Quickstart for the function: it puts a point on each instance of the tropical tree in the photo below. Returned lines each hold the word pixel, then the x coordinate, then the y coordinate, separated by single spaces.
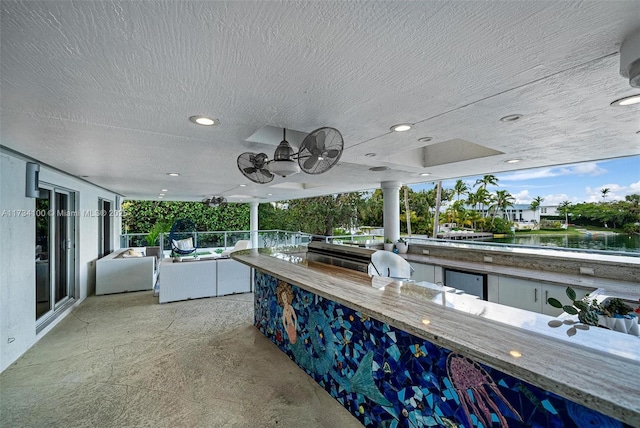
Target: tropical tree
pixel 321 215
pixel 486 180
pixel 460 188
pixel 480 199
pixel 535 205
pixel 604 191
pixel 501 201
pixel 563 208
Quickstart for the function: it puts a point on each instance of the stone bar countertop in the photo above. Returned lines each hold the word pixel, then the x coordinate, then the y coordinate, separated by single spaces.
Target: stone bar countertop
pixel 595 367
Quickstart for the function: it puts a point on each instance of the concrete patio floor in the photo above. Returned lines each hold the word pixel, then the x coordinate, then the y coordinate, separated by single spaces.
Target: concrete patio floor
pixel 126 361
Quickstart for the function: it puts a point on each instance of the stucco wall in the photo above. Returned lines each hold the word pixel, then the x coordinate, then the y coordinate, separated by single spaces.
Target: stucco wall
pixel 17 251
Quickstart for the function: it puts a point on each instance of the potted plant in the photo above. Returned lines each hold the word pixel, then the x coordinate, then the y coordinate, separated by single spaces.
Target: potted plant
pixel 612 313
pixel 402 246
pixel 158 228
pixel 388 245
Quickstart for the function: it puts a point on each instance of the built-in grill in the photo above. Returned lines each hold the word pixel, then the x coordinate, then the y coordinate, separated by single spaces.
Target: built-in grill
pixel 345 256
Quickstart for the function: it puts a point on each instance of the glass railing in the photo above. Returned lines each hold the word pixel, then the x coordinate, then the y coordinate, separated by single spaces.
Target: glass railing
pixel 217 241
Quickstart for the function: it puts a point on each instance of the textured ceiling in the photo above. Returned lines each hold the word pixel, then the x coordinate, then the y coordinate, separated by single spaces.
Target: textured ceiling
pixel 104 89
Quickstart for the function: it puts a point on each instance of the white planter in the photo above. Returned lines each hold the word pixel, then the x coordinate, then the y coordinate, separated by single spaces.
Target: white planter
pixel 388 247
pixel 623 325
pixel 402 247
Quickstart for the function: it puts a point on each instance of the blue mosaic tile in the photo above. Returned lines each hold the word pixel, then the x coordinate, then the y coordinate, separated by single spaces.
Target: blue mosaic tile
pixel 388 378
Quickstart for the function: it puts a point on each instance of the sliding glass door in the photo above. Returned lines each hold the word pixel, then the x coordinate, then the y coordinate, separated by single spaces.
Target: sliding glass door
pixel 55 250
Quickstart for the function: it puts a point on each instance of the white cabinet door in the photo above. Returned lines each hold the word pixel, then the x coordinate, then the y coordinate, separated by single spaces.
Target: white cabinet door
pixel 558 292
pixel 423 272
pixel 520 293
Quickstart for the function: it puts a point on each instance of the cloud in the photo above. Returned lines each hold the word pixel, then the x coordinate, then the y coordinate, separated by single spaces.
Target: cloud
pixel 524 197
pixel 588 168
pixel 616 192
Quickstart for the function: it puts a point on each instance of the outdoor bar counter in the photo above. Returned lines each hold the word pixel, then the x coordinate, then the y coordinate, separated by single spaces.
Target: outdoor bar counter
pixel 398 354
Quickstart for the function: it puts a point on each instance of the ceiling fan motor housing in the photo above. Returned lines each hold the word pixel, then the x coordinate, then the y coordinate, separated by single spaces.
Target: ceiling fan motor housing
pixel 630 59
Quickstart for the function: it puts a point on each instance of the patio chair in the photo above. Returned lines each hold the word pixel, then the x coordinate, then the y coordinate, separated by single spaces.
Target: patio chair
pixel 240 245
pixel 183 237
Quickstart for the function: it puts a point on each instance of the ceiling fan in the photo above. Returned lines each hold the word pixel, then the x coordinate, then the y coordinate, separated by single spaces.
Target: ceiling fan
pixel 319 152
pixel 214 201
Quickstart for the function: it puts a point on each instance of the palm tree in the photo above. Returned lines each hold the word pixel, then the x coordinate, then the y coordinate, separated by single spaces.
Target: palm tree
pixel 564 208
pixel 501 201
pixel 460 188
pixel 535 204
pixel 604 192
pixel 486 180
pixel 481 198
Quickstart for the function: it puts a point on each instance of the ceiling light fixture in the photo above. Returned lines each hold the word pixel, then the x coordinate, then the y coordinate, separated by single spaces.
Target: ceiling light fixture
pixel 269 194
pixel 512 160
pixel 511 118
pixel 173 174
pixel 425 139
pixel 370 155
pixel 425 174
pixel 204 121
pixel 401 127
pixel 160 197
pixel 243 185
pixel 164 190
pixel 161 194
pixel 515 354
pixel 627 101
pixel 379 168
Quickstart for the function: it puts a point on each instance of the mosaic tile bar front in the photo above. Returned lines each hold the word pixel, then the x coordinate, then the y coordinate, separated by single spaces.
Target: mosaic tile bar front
pixel 387 377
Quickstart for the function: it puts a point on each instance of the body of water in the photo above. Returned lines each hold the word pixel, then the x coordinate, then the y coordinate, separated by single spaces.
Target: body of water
pixel 627 243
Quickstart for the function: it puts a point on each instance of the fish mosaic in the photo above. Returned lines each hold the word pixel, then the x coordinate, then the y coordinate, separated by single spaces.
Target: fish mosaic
pixel 387 377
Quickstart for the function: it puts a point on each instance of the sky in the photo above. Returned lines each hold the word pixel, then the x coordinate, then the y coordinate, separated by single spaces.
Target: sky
pixel 575 183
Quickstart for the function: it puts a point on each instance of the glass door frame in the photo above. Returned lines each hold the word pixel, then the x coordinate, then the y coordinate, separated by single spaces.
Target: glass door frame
pixel 68 215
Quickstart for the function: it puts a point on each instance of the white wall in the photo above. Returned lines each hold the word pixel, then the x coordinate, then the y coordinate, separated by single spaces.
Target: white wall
pixel 17 251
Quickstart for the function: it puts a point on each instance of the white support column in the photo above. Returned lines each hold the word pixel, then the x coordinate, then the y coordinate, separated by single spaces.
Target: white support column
pixel 391 213
pixel 253 224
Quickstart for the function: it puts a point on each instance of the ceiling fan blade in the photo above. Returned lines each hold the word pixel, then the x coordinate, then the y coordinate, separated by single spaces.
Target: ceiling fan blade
pixel 249 170
pixel 309 163
pixel 320 136
pixel 332 153
pixel 266 173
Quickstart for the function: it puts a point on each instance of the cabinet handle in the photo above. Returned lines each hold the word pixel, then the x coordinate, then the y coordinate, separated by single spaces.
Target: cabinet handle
pixel 535 294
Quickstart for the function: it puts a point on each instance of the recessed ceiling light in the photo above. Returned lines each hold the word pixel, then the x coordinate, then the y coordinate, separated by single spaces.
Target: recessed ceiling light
pixel 627 101
pixel 425 174
pixel 510 118
pixel 512 160
pixel 515 354
pixel 161 194
pixel 370 155
pixel 379 168
pixel 425 139
pixel 243 185
pixel 401 127
pixel 203 120
pixel 164 190
pixel 269 194
pixel 160 197
pixel 173 174
pixel 426 321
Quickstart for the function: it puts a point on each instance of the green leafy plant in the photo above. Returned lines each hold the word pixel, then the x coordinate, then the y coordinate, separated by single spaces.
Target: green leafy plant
pixel 588 309
pixel 388 241
pixel 158 228
pixel 587 314
pixel 401 241
pixel 613 307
